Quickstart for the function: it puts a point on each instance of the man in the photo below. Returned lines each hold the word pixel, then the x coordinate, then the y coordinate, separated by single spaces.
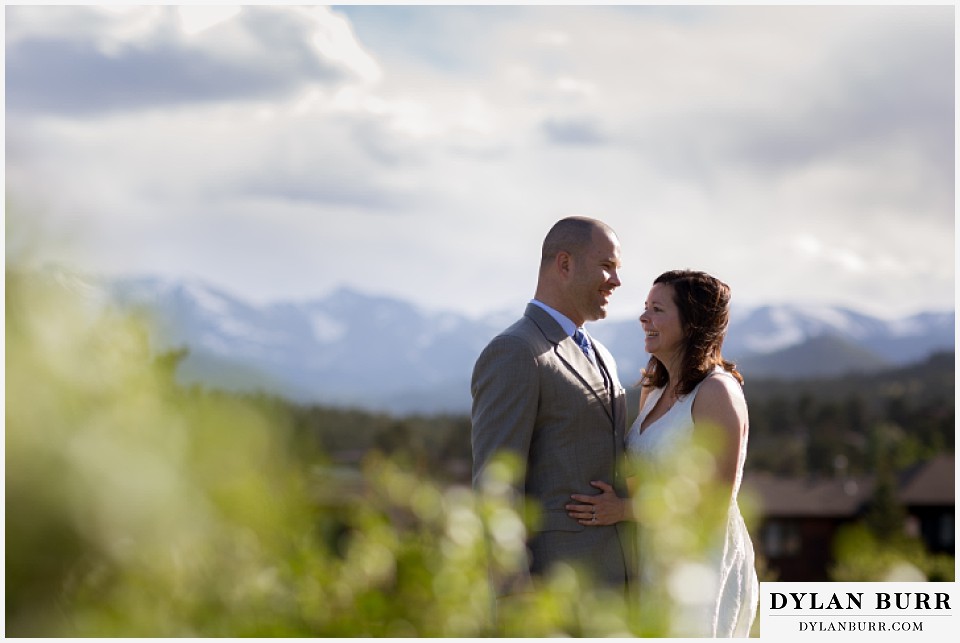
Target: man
pixel 558 405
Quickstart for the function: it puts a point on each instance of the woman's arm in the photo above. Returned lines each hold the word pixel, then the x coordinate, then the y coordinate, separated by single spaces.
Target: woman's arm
pixel 720 418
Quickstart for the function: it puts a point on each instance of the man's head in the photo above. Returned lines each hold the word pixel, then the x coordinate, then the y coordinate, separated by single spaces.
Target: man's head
pixel 578 268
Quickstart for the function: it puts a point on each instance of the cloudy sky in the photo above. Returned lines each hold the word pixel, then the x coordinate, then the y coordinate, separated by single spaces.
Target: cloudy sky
pixel 802 154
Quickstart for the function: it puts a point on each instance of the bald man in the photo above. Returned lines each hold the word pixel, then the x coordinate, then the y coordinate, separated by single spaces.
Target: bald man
pixel 545 391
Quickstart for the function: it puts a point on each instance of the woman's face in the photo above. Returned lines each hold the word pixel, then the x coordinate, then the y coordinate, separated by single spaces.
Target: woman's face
pixel 661 324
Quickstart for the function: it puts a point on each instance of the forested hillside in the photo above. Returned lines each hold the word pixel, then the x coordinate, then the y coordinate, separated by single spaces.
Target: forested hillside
pixel 822 426
pixel 807 426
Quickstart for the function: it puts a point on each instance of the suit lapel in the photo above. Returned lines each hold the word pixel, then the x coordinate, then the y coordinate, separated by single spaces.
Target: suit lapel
pixel 614 395
pixel 576 361
pixel 571 355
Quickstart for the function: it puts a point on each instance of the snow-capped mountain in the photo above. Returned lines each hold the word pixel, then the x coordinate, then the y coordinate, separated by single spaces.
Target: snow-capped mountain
pixel 791 341
pixel 347 348
pixel 356 349
pixel 805 341
pixel 768 329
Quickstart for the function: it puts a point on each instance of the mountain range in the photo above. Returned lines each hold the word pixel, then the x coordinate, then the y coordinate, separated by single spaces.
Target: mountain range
pixel 379 353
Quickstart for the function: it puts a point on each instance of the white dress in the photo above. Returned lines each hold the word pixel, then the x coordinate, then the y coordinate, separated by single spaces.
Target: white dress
pixel 726 574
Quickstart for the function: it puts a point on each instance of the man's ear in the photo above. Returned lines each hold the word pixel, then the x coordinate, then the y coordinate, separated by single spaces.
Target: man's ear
pixel 564 263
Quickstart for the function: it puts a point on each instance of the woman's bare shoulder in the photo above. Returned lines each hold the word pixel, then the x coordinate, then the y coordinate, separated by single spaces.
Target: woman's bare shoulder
pixel 720 398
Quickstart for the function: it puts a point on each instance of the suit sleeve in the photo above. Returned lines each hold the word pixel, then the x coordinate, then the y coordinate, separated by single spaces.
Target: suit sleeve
pixel 505 389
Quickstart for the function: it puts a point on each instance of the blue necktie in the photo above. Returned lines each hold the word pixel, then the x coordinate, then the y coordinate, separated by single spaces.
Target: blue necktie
pixel 581 339
pixel 584 342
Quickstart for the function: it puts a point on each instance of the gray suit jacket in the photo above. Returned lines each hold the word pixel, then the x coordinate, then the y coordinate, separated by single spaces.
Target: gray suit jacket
pixel 536 394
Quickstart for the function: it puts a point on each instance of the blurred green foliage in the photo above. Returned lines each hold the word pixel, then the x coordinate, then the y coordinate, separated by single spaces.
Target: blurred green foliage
pixel 136 507
pixel 864 556
pixel 133 508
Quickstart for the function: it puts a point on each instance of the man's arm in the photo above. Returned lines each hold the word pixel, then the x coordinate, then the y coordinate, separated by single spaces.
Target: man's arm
pixel 505 389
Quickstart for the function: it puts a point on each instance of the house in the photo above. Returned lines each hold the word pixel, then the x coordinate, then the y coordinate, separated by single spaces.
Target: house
pixel 799 517
pixel 927 493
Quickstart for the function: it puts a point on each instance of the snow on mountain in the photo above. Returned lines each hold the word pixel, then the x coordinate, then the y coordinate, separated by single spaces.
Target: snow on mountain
pixel 326 329
pixel 357 349
pixel 766 329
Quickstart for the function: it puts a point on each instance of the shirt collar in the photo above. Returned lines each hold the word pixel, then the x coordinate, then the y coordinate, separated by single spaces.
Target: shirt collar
pixel 565 323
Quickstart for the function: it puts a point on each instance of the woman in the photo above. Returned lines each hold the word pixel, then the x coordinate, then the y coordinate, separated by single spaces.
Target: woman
pixel 696 558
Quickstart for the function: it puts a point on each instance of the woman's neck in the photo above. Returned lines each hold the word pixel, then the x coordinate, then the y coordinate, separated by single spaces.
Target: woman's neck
pixel 671 364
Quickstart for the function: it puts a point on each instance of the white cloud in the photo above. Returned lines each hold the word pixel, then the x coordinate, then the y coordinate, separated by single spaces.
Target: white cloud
pixel 552 38
pixel 424 151
pixel 195 19
pixel 334 39
pixel 809 246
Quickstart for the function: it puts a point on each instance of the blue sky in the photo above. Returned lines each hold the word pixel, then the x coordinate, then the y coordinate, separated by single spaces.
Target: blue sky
pixel 803 154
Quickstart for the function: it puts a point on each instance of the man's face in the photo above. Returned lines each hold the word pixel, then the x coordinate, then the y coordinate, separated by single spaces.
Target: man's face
pixel 594 277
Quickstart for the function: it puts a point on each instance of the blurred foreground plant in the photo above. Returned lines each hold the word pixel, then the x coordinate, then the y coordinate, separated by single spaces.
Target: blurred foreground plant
pixel 862 556
pixel 135 507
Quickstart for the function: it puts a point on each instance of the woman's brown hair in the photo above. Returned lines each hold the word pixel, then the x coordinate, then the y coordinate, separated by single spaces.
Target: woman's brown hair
pixel 703 302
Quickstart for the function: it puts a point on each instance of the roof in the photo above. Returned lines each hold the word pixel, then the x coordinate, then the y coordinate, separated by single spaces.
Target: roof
pixel 823 497
pixel 932 483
